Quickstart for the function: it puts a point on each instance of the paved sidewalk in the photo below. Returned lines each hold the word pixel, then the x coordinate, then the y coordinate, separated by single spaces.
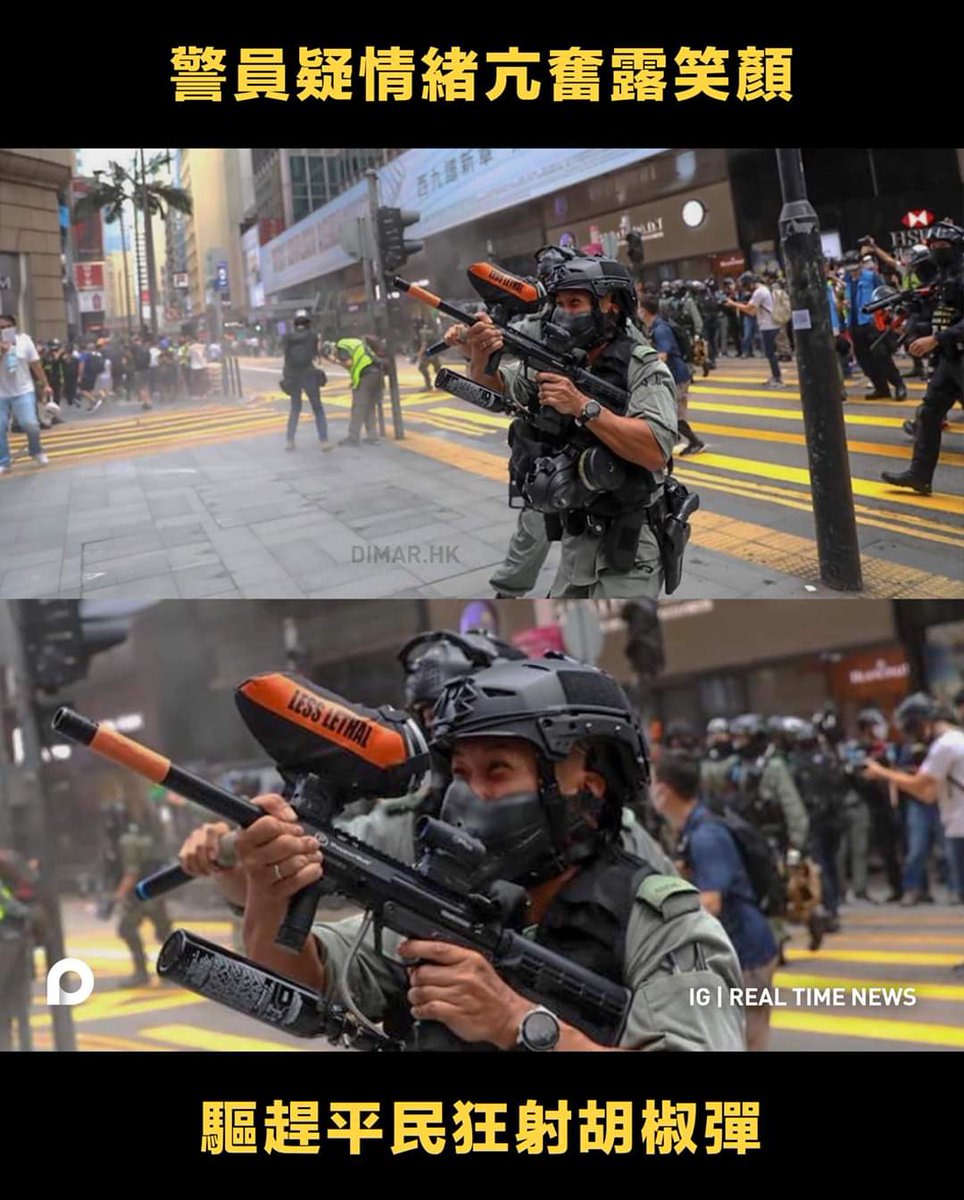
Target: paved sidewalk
pixel 247 519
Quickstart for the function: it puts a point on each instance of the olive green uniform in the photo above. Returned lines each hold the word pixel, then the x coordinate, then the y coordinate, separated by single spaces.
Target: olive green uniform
pixel 527 552
pixel 583 570
pixel 139 855
pixel 671 946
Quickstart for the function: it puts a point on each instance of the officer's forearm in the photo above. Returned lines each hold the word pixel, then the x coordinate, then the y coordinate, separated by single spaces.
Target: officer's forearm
pixel 629 437
pixel 261 925
pixel 477 373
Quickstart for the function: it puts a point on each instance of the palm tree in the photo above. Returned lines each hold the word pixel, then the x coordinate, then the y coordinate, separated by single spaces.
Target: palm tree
pixel 152 197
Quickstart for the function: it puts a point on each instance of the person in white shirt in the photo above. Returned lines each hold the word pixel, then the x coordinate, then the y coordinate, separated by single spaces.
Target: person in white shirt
pixel 940 778
pixel 20 376
pixel 761 307
pixel 197 362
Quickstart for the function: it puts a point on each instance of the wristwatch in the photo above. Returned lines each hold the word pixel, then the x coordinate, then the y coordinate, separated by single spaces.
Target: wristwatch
pixel 538 1030
pixel 589 413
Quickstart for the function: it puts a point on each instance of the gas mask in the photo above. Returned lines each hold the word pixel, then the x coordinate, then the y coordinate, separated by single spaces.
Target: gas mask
pixel 515 831
pixel 585 330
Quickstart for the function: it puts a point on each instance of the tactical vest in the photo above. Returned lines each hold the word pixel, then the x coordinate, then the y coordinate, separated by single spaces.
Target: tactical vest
pixel 587 923
pixel 821 782
pixel 949 303
pixel 752 801
pixel 528 442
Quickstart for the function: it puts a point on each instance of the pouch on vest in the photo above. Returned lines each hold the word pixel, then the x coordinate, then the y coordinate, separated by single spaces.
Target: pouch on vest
pixel 622 539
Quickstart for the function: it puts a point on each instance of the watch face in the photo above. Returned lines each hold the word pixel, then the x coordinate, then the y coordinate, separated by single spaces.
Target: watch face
pixel 540 1030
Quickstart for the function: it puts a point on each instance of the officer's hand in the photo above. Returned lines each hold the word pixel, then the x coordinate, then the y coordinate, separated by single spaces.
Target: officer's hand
pixel 457 335
pixel 201 849
pixel 277 857
pixel 461 989
pixel 483 339
pixel 560 393
pixel 922 346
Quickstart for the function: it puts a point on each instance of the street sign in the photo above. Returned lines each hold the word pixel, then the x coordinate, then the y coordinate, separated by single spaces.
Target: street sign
pixel 89 276
pixel 221 282
pixel 180 279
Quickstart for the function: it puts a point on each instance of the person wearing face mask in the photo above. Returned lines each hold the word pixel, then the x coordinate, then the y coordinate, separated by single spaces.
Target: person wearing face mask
pixel 715 864
pixel 938 781
pixel 862 280
pixel 946 244
pixel 870 809
pixel 542 755
pixel 610 546
pixel 430 661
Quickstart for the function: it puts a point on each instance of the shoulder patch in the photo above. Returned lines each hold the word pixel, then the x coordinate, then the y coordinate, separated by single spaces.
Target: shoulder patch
pixel 669 895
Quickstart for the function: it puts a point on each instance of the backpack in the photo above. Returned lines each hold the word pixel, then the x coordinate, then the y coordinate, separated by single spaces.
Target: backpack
pixel 760 860
pixel 300 352
pixel 95 363
pixel 781 312
pixel 683 340
pixel 142 357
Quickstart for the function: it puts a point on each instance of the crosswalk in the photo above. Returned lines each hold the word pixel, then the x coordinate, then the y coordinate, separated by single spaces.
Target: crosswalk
pixel 881 948
pixel 753 476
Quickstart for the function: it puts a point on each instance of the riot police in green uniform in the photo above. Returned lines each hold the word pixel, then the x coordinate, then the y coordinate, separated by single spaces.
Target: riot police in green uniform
pixel 140 855
pixel 542 756
pixel 596 470
pixel 715 764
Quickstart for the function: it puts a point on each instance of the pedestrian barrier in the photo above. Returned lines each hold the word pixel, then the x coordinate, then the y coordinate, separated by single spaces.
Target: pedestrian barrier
pixel 231 376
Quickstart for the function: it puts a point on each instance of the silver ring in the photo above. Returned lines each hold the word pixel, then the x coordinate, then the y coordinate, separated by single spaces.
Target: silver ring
pixel 277 873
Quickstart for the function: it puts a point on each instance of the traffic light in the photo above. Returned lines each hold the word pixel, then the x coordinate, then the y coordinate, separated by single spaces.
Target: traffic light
pixel 60 637
pixel 393 249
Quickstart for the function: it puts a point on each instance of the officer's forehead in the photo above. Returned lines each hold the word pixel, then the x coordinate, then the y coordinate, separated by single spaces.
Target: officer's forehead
pixel 475 747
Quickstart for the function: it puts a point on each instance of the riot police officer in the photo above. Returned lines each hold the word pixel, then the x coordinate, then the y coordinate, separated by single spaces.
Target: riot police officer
pixel 600 475
pixel 140 855
pixel 881 815
pixel 542 755
pixel 714 766
pixel 820 780
pixel 946 244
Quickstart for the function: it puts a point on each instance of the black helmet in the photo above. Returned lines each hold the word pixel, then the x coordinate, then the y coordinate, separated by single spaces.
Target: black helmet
pixel 747 277
pixel 431 660
pixel 884 292
pixel 748 725
pixel 549 257
pixel 946 230
pixel 914 711
pixel 871 716
pixel 551 702
pixel 680 733
pixel 599 276
pixel 921 262
pixel 302 320
pixel 796 731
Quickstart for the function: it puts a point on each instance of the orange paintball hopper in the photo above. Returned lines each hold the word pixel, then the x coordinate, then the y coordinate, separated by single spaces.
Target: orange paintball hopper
pixel 356 751
pixel 515 293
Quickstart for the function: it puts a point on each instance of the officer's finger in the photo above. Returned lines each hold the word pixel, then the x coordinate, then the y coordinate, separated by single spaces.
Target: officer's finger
pixel 438 952
pixel 289 884
pixel 276 806
pixel 264 830
pixel 279 850
pixel 550 377
pixel 419 997
pixel 432 975
pixel 436 1010
pixel 256 850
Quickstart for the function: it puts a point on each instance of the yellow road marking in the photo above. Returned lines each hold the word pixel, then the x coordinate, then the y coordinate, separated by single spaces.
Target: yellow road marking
pixel 947 534
pixel 193 1038
pixel 903 957
pixel 939 502
pixel 882 449
pixel 106 1006
pixel 786 414
pixel 740 539
pixel 96 1041
pixel 868 1027
pixel 923 991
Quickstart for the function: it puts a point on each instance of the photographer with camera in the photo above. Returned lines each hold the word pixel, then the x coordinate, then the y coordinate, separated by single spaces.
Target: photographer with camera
pixel 600 480
pixel 300 374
